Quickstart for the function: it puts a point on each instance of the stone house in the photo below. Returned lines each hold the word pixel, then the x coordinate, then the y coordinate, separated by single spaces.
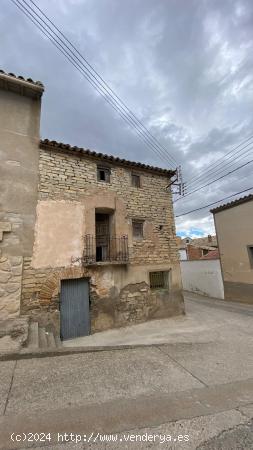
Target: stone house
pixel 87 240
pixel 233 223
pixel 197 248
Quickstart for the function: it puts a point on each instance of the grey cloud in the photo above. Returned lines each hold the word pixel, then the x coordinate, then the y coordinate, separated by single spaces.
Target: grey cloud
pixel 183 66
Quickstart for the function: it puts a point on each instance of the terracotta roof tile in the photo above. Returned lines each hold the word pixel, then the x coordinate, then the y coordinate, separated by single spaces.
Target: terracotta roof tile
pixel 213 254
pixel 237 202
pixel 19 77
pixel 53 145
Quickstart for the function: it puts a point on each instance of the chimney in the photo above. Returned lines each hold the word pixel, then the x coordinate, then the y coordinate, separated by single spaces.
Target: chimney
pixel 209 237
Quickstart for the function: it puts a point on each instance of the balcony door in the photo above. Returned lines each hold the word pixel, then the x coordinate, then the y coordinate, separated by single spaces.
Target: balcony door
pixel 102 237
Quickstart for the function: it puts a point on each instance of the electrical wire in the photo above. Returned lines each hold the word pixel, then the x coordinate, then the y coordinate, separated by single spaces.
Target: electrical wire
pixel 217 179
pixel 102 80
pixel 215 165
pixel 104 92
pixel 214 203
pixel 223 169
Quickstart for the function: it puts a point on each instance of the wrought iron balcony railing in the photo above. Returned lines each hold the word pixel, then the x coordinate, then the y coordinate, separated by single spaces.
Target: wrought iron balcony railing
pixel 104 248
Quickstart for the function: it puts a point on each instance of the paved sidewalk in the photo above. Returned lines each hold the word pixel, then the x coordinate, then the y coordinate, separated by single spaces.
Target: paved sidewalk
pixel 197 384
pixel 193 327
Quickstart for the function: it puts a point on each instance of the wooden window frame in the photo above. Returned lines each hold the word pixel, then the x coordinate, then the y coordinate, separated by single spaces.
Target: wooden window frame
pixel 136 222
pixel 136 185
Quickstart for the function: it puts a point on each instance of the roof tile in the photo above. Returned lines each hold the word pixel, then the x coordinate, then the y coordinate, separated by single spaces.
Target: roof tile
pixel 237 202
pixel 53 145
pixel 19 77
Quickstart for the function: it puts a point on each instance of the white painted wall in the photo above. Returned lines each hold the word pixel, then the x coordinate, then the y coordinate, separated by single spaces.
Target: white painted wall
pixel 182 254
pixel 203 277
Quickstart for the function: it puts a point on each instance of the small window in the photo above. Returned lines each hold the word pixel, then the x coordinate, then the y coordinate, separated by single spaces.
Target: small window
pixel 103 174
pixel 205 252
pixel 250 252
pixel 136 180
pixel 137 229
pixel 158 280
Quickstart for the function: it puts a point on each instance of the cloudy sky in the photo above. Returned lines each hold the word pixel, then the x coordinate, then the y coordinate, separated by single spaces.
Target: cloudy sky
pixel 185 67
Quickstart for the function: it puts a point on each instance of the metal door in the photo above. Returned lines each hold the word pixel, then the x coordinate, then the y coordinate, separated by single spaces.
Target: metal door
pixel 74 308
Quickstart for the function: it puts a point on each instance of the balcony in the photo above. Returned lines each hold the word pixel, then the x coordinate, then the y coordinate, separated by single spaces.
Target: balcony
pixel 104 249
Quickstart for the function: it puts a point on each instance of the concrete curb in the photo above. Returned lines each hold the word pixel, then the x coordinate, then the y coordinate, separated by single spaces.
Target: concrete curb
pixel 29 354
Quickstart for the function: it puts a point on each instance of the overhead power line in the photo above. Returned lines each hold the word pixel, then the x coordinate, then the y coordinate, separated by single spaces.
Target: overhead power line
pixel 214 181
pixel 93 78
pixel 214 203
pixel 222 170
pixel 79 67
pixel 222 162
pixel 104 82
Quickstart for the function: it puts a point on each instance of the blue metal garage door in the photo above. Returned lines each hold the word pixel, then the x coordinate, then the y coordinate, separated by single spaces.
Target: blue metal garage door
pixel 74 308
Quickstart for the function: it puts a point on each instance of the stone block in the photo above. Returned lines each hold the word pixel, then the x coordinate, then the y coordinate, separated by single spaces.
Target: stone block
pixel 5 226
pixel 3 259
pixel 4 276
pixel 5 264
pixel 12 287
pixel 16 260
pixel 16 270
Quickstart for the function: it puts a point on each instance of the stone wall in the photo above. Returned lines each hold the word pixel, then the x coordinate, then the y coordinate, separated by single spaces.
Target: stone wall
pixel 10 278
pixel 112 304
pixel 119 294
pixel 10 286
pixel 67 176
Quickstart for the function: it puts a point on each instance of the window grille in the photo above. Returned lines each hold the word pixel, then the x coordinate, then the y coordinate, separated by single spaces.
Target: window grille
pixel 137 229
pixel 158 280
pixel 136 180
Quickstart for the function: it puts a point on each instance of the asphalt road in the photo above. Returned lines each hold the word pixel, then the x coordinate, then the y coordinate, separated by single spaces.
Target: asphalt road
pixel 194 391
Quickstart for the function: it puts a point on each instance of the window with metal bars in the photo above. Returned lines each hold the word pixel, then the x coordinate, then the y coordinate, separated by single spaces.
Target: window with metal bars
pixel 137 229
pixel 136 180
pixel 158 280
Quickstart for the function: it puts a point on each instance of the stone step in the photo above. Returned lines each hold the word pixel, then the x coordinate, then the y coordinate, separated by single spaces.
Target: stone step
pixel 39 338
pixel 50 340
pixel 42 338
pixel 58 341
pixel 33 335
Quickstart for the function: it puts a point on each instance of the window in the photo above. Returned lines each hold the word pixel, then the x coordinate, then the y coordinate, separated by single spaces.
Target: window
pixel 103 174
pixel 159 280
pixel 250 252
pixel 205 252
pixel 137 229
pixel 136 180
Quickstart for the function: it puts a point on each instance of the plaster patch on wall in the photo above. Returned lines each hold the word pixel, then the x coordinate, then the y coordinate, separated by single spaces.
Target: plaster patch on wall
pixel 58 233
